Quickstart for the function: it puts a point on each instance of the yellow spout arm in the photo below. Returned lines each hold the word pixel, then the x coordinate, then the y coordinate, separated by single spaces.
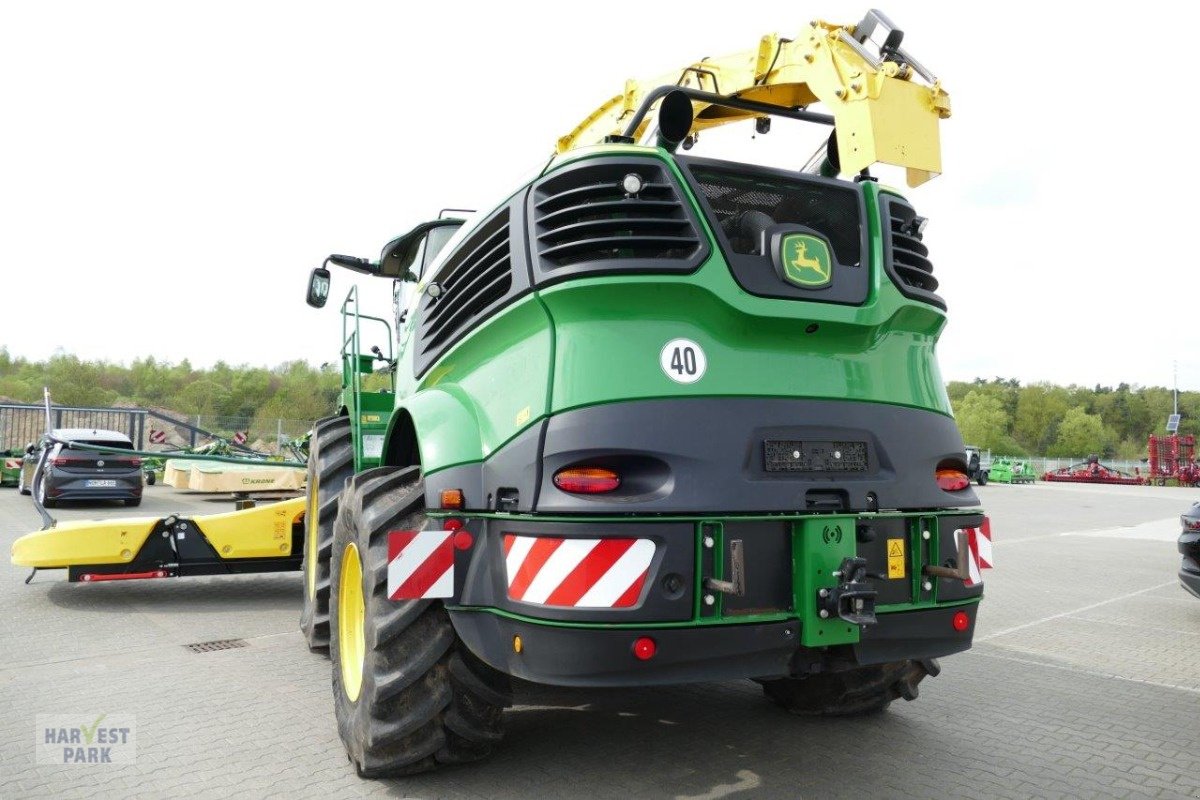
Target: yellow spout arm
pixel 881 114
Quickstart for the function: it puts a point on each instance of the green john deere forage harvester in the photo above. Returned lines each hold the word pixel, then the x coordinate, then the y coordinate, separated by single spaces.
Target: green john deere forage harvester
pixel 657 419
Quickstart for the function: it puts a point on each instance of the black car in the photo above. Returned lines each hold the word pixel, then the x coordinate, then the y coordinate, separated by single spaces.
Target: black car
pixel 75 474
pixel 1189 545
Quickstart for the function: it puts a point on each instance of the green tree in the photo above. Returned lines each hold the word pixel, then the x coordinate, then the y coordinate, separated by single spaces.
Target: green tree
pixel 1081 434
pixel 1040 409
pixel 983 421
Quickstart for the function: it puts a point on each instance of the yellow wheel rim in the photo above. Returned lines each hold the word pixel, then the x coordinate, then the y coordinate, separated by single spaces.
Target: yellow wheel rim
pixel 312 527
pixel 352 649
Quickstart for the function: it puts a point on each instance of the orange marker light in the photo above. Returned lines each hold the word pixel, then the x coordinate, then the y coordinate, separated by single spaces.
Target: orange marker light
pixel 951 480
pixel 452 498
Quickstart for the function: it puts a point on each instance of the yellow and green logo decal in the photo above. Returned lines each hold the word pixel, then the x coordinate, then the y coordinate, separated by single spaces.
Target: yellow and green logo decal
pixel 806 260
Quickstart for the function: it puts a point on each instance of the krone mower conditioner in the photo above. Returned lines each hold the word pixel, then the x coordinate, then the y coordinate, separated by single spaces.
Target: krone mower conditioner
pixel 656 419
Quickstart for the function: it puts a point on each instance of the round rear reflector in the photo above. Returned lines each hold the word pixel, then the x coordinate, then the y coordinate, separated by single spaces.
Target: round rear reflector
pixel 463 540
pixel 960 621
pixel 586 480
pixel 644 648
pixel 951 480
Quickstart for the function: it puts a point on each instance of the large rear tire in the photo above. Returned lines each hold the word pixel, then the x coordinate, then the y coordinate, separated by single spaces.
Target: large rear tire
pixel 330 465
pixel 408 696
pixel 858 691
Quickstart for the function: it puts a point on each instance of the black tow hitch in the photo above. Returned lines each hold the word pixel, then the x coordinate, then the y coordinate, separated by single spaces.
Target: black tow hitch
pixel 853 599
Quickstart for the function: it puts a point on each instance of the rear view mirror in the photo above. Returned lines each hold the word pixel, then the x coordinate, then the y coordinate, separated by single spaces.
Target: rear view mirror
pixel 318 287
pixel 405 257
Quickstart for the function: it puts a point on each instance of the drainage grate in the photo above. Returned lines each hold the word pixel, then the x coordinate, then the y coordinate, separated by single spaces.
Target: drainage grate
pixel 219 644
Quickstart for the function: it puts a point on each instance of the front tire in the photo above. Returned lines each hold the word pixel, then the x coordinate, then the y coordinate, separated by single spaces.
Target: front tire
pixel 864 690
pixel 21 489
pixel 330 465
pixel 983 478
pixel 408 696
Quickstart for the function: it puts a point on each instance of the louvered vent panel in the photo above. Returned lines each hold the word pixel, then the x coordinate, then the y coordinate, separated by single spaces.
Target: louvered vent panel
pixel 909 262
pixel 476 277
pixel 586 215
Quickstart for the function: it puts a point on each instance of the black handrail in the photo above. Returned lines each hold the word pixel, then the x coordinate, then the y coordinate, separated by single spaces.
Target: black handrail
pixel 720 100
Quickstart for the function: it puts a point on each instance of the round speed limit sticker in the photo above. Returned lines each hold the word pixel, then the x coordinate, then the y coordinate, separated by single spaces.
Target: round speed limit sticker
pixel 683 361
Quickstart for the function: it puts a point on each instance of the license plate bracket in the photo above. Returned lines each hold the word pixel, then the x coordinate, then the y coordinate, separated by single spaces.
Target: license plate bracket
pixel 795 455
pixel 101 483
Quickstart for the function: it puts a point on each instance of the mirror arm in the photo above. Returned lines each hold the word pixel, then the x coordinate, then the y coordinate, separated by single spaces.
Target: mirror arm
pixel 363 265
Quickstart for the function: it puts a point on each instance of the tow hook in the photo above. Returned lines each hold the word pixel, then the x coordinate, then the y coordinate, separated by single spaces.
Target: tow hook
pixel 853 599
pixel 960 571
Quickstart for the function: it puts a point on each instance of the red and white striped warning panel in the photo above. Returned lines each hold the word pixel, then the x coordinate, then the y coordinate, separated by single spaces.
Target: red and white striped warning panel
pixel 420 564
pixel 157 437
pixel 12 463
pixel 576 573
pixel 979 545
pixel 239 437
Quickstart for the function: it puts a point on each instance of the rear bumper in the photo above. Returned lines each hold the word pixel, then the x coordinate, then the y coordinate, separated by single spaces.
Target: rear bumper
pixel 73 486
pixel 1190 581
pixel 596 656
pixel 1189 570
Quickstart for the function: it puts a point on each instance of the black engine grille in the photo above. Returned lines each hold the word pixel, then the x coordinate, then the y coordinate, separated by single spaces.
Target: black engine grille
pixel 751 207
pixel 583 215
pixel 478 275
pixel 907 257
pixel 831 210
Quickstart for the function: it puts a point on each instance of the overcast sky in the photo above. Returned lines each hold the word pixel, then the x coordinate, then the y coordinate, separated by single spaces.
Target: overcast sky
pixel 171 171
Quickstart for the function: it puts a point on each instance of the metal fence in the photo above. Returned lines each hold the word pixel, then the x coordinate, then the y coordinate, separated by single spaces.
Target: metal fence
pixel 21 425
pixel 1043 464
pixel 149 429
pixel 270 433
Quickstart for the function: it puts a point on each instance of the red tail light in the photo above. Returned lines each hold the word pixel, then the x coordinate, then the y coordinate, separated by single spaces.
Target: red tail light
pixel 951 480
pixel 644 648
pixel 586 480
pixel 135 462
pixel 63 461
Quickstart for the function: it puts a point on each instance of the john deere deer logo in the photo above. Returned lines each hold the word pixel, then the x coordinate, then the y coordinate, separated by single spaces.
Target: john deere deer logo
pixel 806 261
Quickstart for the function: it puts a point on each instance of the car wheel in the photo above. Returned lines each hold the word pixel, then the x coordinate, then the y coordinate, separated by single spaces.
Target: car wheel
pixel 47 502
pixel 21 483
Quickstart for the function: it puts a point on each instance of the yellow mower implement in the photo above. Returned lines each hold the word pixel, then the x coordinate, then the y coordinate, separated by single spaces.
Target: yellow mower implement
pixel 261 539
pixel 881 114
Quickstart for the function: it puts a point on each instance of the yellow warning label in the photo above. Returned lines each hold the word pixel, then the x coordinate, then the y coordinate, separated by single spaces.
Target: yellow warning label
pixel 369 418
pixel 896 559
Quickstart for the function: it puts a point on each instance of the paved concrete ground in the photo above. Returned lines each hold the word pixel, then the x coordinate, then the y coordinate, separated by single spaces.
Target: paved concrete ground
pixel 1085 682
